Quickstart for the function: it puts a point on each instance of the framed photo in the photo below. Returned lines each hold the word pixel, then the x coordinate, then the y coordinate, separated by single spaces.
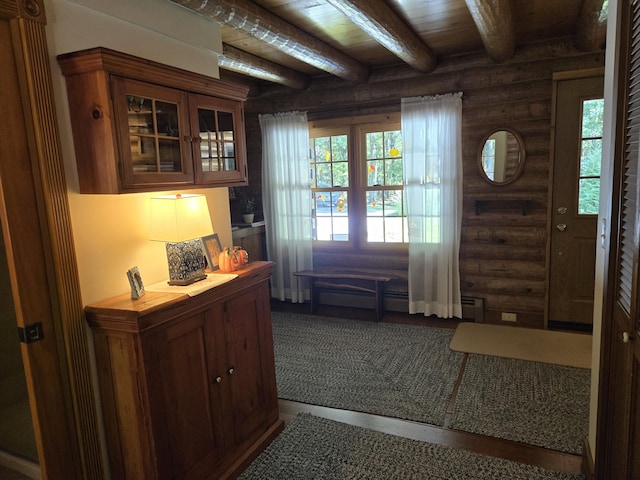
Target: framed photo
pixel 135 280
pixel 212 249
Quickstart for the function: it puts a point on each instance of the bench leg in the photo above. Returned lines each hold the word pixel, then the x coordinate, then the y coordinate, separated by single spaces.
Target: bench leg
pixel 313 296
pixel 379 302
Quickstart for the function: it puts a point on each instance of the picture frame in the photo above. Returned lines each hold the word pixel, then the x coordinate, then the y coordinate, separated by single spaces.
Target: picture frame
pixel 135 281
pixel 212 249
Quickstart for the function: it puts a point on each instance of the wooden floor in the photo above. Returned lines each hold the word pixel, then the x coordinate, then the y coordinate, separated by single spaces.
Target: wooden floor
pixel 428 433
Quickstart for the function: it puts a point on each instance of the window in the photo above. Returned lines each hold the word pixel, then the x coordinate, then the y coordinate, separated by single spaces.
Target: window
pixel 590 156
pixel 489 158
pixel 357 186
pixel 330 182
pixel 386 219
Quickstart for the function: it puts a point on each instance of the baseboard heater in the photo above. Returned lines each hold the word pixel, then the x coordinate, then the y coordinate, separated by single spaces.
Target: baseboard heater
pixel 473 309
pixel 392 302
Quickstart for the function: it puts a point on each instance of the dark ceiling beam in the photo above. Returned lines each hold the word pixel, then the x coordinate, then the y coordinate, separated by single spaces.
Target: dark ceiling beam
pixel 383 24
pixel 242 62
pixel 271 29
pixel 592 25
pixel 494 21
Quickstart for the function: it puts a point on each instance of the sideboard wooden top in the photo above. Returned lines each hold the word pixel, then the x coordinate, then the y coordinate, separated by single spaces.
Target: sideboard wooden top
pixel 123 313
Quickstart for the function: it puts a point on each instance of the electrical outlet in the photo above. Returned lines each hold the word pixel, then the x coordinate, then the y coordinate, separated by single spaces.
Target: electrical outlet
pixel 508 317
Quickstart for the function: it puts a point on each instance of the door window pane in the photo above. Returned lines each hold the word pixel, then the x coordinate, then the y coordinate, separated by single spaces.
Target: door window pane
pixel 590 156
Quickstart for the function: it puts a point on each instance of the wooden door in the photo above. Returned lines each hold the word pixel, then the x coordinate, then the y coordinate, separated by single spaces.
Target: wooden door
pixel 26 256
pixel 576 177
pixel 618 433
pixel 14 396
pixel 40 253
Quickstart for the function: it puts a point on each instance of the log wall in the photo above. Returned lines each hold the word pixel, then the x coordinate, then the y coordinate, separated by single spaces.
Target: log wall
pixel 504 247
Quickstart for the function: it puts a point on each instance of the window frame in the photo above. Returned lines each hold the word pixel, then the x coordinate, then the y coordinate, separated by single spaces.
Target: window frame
pixel 356 128
pixel 334 132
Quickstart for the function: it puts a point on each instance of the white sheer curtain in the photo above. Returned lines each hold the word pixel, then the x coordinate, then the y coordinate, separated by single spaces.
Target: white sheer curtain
pixel 432 158
pixel 286 201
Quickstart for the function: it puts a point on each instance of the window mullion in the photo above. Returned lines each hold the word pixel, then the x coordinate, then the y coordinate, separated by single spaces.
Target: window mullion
pixel 359 153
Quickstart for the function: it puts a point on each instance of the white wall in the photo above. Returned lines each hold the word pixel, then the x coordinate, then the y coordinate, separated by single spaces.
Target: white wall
pixel 604 217
pixel 110 231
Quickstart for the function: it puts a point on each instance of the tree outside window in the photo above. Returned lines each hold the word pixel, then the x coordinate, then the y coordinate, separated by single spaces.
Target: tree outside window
pixel 590 156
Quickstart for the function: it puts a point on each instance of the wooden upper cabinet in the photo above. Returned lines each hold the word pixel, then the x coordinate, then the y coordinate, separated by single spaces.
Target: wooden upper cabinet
pixel 143 126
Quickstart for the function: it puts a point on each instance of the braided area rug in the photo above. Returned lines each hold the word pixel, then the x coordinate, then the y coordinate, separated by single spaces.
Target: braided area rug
pixel 314 448
pixel 531 402
pixel 400 371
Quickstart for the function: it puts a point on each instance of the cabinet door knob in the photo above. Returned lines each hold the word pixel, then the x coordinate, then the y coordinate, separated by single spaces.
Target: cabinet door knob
pixel 218 379
pixel 230 371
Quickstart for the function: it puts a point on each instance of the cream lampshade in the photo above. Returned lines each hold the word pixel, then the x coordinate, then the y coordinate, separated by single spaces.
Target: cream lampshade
pixel 181 220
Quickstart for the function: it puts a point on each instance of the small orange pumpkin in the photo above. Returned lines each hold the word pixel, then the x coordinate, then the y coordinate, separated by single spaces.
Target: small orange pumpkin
pixel 242 256
pixel 225 261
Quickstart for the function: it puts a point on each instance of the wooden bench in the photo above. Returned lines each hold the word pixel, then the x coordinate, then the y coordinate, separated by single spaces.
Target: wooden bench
pixel 347 280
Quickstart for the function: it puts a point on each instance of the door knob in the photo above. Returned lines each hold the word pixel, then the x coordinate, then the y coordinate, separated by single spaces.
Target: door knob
pixel 562 210
pixel 626 337
pixel 561 227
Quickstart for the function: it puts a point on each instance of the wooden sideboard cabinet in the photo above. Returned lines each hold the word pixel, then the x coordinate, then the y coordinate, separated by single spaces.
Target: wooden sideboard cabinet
pixel 188 383
pixel 143 126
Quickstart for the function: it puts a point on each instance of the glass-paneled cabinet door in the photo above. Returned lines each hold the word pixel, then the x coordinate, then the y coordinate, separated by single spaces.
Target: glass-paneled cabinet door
pixel 153 126
pixel 218 143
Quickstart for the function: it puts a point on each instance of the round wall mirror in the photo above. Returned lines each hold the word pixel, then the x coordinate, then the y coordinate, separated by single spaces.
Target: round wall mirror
pixel 501 156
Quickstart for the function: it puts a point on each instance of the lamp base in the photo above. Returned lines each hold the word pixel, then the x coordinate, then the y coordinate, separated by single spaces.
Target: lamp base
pixel 186 282
pixel 186 262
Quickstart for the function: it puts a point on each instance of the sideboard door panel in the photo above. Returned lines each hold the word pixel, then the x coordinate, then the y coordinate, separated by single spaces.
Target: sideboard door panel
pixel 190 401
pixel 248 334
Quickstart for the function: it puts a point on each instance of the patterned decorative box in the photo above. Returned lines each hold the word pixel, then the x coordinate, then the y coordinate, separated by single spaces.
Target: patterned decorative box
pixel 186 262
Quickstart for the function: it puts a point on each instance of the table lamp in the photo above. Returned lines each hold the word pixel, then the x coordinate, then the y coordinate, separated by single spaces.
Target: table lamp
pixel 181 220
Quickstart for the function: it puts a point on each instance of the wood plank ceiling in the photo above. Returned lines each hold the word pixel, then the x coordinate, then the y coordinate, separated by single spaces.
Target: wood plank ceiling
pixel 292 41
